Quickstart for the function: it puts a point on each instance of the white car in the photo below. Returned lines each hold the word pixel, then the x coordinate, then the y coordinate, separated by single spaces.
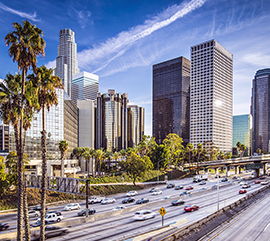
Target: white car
pixel 119 208
pixel 131 193
pixel 33 213
pixel 108 200
pixel 52 217
pixel 264 183
pixel 157 192
pixel 72 206
pixel 243 183
pixel 143 215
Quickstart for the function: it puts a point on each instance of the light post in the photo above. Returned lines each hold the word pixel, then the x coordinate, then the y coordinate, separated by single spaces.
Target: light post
pixel 218 194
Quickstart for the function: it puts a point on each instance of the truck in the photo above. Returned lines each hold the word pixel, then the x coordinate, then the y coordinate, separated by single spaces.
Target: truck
pixel 52 218
pixel 201 177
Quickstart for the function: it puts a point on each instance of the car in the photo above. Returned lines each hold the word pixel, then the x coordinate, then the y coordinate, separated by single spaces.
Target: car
pixel 52 218
pixel 257 182
pixel 50 231
pixel 83 212
pixel 128 200
pixel 94 200
pixel 178 187
pixel 202 189
pixel 119 208
pixel 142 200
pixel 38 208
pixel 143 215
pixel 234 178
pixel 189 188
pixel 202 183
pixel 153 189
pixel 214 186
pixel 240 179
pixel 246 185
pixel 196 179
pixel 170 185
pixel 131 193
pixel 33 214
pixel 177 202
pixel 217 176
pixel 56 212
pixel 108 200
pixel 224 179
pixel 184 193
pixel 243 183
pixel 262 177
pixel 4 226
pixel 242 191
pixel 191 208
pixel 264 183
pixel 157 192
pixel 72 206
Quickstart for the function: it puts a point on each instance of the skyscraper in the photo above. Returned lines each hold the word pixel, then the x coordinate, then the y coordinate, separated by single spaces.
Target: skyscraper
pixel 242 132
pixel 66 61
pixel 211 95
pixel 84 86
pixel 171 87
pixel 260 110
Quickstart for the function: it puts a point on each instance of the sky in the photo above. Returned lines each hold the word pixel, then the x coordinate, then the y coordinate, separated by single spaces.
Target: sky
pixel 121 40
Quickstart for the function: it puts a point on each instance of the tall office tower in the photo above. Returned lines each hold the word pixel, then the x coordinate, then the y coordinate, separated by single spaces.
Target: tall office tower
pixel 242 132
pixel 135 125
pixel 111 121
pixel 84 86
pixel 211 95
pixel 260 110
pixel 66 61
pixel 171 87
pixel 4 138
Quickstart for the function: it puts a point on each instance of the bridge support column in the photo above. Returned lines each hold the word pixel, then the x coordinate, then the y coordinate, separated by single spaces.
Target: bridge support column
pixel 228 171
pixel 256 173
pixel 216 170
pixel 264 168
pixel 236 170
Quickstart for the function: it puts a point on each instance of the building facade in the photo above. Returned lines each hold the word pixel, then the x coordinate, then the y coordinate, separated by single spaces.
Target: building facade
pixel 135 125
pixel 4 139
pixel 242 132
pixel 111 121
pixel 260 110
pixel 171 99
pixel 84 86
pixel 66 61
pixel 211 95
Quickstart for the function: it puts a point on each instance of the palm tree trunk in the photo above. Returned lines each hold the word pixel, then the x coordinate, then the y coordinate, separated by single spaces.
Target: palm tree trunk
pixel 93 168
pixel 198 164
pixel 26 217
pixel 62 165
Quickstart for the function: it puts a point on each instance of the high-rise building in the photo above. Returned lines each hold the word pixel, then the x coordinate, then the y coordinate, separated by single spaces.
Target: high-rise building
pixel 4 138
pixel 111 121
pixel 211 95
pixel 171 101
pixel 135 125
pixel 242 132
pixel 66 61
pixel 260 110
pixel 84 86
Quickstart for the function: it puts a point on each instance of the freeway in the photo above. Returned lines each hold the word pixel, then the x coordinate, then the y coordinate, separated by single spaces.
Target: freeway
pixel 252 224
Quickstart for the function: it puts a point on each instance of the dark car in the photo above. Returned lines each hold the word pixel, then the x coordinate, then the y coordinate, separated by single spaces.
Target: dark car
pixel 128 200
pixel 83 212
pixel 178 187
pixel 56 212
pixel 262 177
pixel 4 226
pixel 50 231
pixel 185 193
pixel 224 179
pixel 170 185
pixel 142 200
pixel 217 176
pixel 38 208
pixel 177 202
pixel 37 223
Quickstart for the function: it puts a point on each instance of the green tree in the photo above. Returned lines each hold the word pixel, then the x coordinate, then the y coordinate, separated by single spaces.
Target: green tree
pixel 136 166
pixel 242 150
pixel 3 176
pixel 116 156
pixel 99 156
pixel 25 43
pixel 160 154
pixel 189 149
pixel 63 147
pixel 146 145
pixel 88 154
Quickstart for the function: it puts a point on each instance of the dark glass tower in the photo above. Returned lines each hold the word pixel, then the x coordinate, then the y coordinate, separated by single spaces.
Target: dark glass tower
pixel 260 110
pixel 171 99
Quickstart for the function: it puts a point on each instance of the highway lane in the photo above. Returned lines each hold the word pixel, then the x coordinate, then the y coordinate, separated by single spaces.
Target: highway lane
pixel 252 224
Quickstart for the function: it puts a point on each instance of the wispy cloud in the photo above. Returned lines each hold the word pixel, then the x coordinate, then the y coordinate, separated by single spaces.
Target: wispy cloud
pixel 113 48
pixel 22 14
pixel 257 59
pixel 83 17
pixel 51 64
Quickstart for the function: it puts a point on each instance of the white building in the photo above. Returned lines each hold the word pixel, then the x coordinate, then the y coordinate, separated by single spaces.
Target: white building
pixel 211 95
pixel 66 61
pixel 84 86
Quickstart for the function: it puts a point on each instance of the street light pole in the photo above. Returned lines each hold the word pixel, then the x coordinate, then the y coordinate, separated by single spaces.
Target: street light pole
pixel 218 194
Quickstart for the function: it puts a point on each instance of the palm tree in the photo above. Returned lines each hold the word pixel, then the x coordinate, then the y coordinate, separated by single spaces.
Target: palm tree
pixel 46 85
pixel 25 44
pixel 99 155
pixel 63 147
pixel 115 156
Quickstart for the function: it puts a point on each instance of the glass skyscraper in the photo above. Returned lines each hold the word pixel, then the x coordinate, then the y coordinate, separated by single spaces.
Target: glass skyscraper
pixel 260 110
pixel 242 132
pixel 66 61
pixel 171 101
pixel 211 95
pixel 84 86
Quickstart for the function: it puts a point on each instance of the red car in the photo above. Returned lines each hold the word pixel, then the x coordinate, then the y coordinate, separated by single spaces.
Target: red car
pixel 191 208
pixel 257 182
pixel 242 191
pixel 189 188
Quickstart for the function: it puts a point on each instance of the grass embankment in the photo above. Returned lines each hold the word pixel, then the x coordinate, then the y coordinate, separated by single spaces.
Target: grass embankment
pixel 8 200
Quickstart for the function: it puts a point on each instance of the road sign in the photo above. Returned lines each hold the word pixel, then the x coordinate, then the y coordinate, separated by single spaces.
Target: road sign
pixel 162 211
pixel 254 165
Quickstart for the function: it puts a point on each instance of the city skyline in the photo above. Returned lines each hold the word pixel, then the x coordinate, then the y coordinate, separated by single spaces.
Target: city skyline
pixel 121 41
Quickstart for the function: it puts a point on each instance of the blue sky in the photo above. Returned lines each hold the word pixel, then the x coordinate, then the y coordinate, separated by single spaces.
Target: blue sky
pixel 120 40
